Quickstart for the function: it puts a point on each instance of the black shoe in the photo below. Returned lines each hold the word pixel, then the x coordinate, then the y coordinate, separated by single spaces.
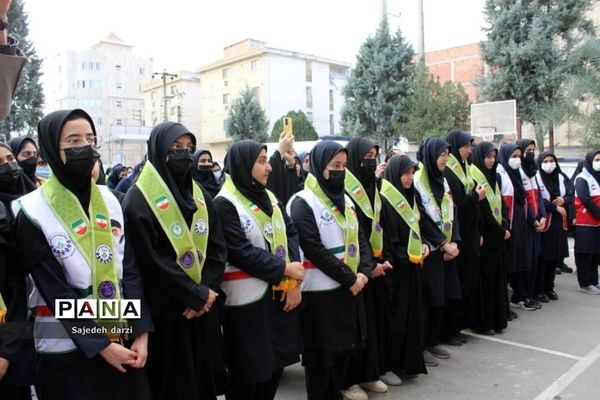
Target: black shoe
pixel 499 331
pixel 542 298
pixel 533 304
pixel 565 268
pixel 462 337
pixel 512 315
pixel 552 295
pixel 455 341
pixel 557 271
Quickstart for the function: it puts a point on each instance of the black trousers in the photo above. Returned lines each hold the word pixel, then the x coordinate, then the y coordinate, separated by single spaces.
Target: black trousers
pixel 587 268
pixel 255 391
pixel 326 382
pixel 519 281
pixel 545 276
pixel 433 325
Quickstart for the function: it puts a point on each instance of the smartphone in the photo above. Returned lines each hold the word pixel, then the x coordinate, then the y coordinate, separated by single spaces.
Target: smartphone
pixel 287 126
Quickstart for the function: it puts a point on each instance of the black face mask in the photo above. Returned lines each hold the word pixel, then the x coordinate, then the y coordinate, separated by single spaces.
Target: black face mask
pixel 336 179
pixel 180 164
pixel 368 167
pixel 9 172
pixel 529 158
pixel 205 170
pixel 79 163
pixel 29 165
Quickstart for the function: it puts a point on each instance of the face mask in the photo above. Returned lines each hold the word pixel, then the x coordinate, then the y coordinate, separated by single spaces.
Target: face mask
pixel 44 172
pixel 368 168
pixel 79 163
pixel 205 170
pixel 596 166
pixel 218 174
pixel 180 164
pixel 336 179
pixel 28 165
pixel 514 163
pixel 548 167
pixel 9 172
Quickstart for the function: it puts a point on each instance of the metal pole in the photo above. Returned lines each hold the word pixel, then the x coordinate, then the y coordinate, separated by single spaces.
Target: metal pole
pixel 421 31
pixel 165 98
pixel 383 9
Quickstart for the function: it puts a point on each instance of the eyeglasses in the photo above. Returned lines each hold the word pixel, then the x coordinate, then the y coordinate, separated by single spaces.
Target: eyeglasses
pixel 77 142
pixel 175 149
pixel 28 154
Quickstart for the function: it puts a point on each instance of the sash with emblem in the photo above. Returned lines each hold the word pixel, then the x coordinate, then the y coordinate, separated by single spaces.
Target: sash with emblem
pixel 442 216
pixel 190 247
pixel 493 197
pixel 273 228
pixel 348 223
pixel 357 192
pixel 3 310
pixel 92 236
pixel 463 175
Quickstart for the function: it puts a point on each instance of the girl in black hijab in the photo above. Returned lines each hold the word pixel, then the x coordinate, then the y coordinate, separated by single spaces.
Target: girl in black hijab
pixel 25 151
pixel 587 226
pixel 494 231
pixel 262 331
pixel 67 144
pixel 184 349
pixel 204 175
pixel 554 191
pixel 333 314
pixel 14 183
pixel 116 175
pixel 466 196
pixel 405 310
pixel 441 277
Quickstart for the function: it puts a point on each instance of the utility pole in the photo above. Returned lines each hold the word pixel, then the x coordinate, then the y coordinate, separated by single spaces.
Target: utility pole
pixel 164 75
pixel 383 9
pixel 421 31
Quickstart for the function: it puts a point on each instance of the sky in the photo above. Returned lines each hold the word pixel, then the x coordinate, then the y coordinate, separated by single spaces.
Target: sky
pixel 184 35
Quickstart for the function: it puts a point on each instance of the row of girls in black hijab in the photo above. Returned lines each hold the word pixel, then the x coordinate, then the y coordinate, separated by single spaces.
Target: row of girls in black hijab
pixel 361 277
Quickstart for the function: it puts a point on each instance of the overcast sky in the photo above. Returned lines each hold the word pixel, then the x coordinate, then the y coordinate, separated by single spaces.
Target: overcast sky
pixel 180 34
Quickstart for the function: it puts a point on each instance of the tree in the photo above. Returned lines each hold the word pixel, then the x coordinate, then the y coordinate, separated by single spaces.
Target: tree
pixel 433 108
pixel 28 104
pixel 303 129
pixel 247 119
pixel 377 88
pixel 529 51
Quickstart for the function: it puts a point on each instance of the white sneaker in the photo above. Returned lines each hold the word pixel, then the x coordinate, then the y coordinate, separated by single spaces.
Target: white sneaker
pixel 375 386
pixel 391 379
pixel 591 289
pixel 355 392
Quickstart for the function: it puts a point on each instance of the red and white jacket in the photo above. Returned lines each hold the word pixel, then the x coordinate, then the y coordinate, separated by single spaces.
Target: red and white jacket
pixel 508 192
pixel 582 216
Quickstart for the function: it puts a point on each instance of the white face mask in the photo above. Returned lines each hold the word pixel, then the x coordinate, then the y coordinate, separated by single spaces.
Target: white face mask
pixel 548 167
pixel 514 163
pixel 596 166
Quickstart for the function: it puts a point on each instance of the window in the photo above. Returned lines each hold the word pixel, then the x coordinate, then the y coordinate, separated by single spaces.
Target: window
pixel 308 71
pixel 226 98
pixel 225 83
pixel 119 85
pixel 83 65
pixel 225 73
pixel 173 110
pixel 309 97
pixel 118 67
pixel 225 126
pixel 330 99
pixel 119 103
pixel 254 65
pixel 309 115
pixel 173 90
pixel 142 70
pixel 98 120
pixel 331 124
pixel 256 92
pixel 118 121
pixel 97 66
pixel 91 65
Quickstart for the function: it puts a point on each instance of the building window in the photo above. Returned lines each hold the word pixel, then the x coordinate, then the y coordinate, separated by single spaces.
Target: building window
pixel 225 126
pixel 118 121
pixel 118 67
pixel 254 65
pixel 173 110
pixel 308 71
pixel 173 90
pixel 119 85
pixel 142 70
pixel 330 99
pixel 98 120
pixel 331 125
pixel 309 115
pixel 225 73
pixel 119 103
pixel 226 98
pixel 97 66
pixel 256 92
pixel 309 97
pixel 225 83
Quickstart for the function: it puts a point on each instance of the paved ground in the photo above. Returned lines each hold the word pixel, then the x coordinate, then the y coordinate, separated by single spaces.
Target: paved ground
pixel 549 354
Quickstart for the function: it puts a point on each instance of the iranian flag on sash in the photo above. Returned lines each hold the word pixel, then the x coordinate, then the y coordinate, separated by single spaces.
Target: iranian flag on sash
pixel 254 207
pixel 79 226
pixel 101 221
pixel 400 204
pixel 356 190
pixel 162 202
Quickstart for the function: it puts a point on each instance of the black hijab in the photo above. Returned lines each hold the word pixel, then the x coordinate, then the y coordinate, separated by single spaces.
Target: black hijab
pixel 429 151
pixel 320 156
pixel 160 141
pixel 506 150
pixel 527 164
pixel 482 150
pixel 206 178
pixel 17 187
pixel 458 139
pixel 551 180
pixel 588 164
pixel 302 156
pixel 113 179
pixel 357 148
pixel 239 162
pixel 49 129
pixel 16 144
pixel 395 168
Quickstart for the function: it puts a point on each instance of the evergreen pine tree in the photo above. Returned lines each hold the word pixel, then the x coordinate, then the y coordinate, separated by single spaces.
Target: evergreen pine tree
pixel 247 119
pixel 303 129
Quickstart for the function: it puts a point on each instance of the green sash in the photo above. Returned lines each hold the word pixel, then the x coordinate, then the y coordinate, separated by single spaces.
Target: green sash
pixel 349 224
pixel 272 228
pixel 190 248
pixel 357 192
pixel 3 310
pixel 93 238
pixel 445 222
pixel 492 196
pixel 463 175
pixel 410 216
